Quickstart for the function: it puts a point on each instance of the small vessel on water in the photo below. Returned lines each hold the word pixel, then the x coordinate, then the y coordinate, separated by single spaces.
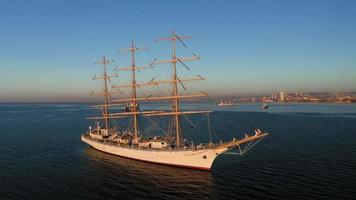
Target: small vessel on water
pixel 170 148
pixel 226 103
pixel 265 106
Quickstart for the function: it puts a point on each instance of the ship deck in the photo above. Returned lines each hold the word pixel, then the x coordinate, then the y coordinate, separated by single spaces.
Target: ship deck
pixel 132 146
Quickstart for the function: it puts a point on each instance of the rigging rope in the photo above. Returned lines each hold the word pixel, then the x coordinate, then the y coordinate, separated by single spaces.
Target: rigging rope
pixel 254 124
pixel 194 125
pixel 156 125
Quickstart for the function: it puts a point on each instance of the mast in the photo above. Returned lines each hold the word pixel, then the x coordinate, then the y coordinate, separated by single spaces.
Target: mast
pixel 106 94
pixel 133 84
pixel 175 80
pixel 175 103
pixel 133 90
pixel 105 107
pixel 174 97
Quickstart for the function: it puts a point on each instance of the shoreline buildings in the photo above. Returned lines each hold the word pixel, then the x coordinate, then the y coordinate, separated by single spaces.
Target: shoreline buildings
pixel 301 97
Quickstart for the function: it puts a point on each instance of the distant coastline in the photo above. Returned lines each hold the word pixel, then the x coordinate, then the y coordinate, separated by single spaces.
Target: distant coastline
pixel 299 97
pixel 280 97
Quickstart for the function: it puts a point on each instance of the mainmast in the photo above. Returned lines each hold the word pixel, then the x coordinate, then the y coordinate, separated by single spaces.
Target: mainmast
pixel 133 90
pixel 175 103
pixel 175 92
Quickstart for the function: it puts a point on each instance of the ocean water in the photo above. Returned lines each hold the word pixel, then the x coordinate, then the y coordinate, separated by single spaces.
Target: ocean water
pixel 309 154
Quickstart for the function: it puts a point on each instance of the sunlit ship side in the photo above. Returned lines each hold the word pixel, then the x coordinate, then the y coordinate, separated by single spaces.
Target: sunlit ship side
pixel 201 158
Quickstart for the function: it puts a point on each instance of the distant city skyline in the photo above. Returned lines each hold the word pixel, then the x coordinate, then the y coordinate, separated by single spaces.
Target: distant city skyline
pixel 48 48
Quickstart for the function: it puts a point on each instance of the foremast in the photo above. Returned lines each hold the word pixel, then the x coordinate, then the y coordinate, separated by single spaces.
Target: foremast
pixel 105 92
pixel 175 109
pixel 105 62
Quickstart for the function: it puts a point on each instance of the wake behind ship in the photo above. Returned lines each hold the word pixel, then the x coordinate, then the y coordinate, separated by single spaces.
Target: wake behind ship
pixel 170 148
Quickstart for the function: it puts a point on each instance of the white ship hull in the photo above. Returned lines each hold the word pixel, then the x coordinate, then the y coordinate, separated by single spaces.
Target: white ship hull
pixel 197 159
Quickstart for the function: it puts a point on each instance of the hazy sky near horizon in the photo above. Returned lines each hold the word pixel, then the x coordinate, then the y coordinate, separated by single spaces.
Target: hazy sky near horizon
pixel 48 47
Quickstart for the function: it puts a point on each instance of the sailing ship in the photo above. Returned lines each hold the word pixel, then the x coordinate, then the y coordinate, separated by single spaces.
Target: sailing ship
pixel 170 149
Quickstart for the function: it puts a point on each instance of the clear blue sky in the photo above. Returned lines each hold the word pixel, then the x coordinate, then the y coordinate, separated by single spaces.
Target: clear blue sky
pixel 48 47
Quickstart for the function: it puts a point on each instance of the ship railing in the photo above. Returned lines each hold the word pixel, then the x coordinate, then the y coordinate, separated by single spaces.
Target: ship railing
pixel 243 145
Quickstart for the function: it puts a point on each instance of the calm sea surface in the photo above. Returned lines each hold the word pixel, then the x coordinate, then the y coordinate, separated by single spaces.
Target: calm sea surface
pixel 310 154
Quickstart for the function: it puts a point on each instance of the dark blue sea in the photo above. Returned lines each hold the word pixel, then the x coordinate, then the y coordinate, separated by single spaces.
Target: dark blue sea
pixel 309 154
